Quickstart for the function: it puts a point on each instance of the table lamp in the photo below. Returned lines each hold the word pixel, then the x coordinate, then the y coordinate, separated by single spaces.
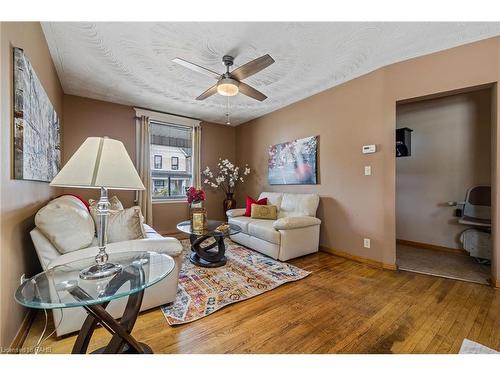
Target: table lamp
pixel 100 163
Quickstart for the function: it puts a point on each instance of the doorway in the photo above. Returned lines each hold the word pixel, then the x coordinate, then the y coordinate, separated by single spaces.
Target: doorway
pixel 445 156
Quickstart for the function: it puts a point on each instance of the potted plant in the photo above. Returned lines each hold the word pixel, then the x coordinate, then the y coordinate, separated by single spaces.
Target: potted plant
pixel 227 176
pixel 198 213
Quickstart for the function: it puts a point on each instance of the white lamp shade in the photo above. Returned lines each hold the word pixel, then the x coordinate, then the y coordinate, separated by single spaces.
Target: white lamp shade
pixel 99 162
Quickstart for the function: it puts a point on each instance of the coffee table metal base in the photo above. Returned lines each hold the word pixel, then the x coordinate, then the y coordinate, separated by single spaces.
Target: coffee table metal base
pixel 195 259
pixel 207 255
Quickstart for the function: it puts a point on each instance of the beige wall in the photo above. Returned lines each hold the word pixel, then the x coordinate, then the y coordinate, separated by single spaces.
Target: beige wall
pixel 19 199
pixel 88 117
pixel 94 118
pixel 451 151
pixel 363 111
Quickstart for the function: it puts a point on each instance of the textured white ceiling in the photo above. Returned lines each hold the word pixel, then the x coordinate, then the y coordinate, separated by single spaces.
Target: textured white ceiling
pixel 130 63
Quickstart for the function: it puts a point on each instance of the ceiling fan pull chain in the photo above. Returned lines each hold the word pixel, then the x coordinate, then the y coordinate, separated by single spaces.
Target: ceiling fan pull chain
pixel 228 122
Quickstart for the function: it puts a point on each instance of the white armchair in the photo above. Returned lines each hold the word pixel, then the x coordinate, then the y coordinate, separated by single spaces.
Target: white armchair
pixel 157 295
pixel 295 233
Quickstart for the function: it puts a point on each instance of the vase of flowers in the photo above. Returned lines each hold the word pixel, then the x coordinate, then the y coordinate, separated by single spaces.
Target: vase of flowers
pixel 226 176
pixel 198 213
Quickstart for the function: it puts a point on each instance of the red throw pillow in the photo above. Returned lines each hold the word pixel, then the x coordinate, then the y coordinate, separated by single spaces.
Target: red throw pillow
pixel 251 201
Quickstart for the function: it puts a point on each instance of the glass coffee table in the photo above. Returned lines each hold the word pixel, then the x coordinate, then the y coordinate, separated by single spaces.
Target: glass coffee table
pixel 204 255
pixel 61 287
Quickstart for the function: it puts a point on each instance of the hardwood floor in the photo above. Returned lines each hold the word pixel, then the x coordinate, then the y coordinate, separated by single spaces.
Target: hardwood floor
pixel 342 307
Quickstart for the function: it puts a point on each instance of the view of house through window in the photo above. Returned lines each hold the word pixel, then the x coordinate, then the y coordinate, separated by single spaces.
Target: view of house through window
pixel 158 162
pixel 171 160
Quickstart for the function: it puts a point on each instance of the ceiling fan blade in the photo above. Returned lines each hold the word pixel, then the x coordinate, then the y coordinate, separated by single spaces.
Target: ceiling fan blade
pixel 212 90
pixel 251 92
pixel 197 68
pixel 252 67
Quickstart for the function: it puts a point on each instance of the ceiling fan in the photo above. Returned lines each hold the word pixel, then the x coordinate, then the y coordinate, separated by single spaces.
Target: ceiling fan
pixel 229 83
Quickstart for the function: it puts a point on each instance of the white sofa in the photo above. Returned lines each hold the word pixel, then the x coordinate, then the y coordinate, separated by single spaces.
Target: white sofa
pixel 157 295
pixel 295 233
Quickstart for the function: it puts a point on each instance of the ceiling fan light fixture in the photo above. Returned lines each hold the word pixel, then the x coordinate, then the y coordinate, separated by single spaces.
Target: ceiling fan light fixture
pixel 228 87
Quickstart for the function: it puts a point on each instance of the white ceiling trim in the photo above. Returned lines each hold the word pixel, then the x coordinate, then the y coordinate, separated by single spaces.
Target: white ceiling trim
pixel 131 62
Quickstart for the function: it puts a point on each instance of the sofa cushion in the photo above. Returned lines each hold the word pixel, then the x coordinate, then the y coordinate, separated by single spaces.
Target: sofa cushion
pixel 264 230
pixel 241 221
pixel 125 225
pixel 66 223
pixel 267 211
pixel 272 198
pixel 150 232
pixel 298 205
pixel 114 203
pixel 294 222
pixel 250 201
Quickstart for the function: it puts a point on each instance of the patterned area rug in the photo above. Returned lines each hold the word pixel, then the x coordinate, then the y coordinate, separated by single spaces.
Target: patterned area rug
pixel 202 291
pixel 472 347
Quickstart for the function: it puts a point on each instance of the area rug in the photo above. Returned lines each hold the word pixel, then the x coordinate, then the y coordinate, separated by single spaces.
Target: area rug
pixel 472 347
pixel 247 273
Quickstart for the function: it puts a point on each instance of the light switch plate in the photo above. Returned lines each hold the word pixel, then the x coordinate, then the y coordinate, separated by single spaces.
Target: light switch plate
pixel 366 243
pixel 368 170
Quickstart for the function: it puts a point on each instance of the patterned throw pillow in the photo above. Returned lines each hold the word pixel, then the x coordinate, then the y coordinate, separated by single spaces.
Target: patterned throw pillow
pixel 123 225
pixel 260 211
pixel 114 203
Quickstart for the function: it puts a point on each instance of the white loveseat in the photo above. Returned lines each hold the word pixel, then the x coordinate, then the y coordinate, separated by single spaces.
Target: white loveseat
pixel 295 233
pixel 157 295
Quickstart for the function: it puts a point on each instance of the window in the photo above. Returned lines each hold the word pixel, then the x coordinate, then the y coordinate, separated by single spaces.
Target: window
pixel 175 143
pixel 158 185
pixel 175 163
pixel 158 162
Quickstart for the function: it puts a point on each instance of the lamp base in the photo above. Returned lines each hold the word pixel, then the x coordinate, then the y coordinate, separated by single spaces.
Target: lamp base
pixel 99 272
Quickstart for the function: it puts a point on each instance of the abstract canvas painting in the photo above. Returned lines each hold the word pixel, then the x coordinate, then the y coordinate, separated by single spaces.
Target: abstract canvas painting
pixel 37 148
pixel 293 163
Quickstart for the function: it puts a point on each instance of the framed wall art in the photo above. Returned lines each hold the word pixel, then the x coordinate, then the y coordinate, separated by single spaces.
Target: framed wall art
pixel 294 162
pixel 37 145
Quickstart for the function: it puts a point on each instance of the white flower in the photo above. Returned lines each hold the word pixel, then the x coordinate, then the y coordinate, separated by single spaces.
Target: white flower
pixel 241 179
pixel 247 171
pixel 205 182
pixel 213 185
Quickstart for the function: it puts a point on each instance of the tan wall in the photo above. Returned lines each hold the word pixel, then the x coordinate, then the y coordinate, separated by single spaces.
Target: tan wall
pixel 19 199
pixel 363 111
pixel 451 151
pixel 94 118
pixel 88 117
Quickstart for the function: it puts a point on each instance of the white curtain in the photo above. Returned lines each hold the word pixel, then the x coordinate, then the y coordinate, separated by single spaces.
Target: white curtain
pixel 144 167
pixel 197 156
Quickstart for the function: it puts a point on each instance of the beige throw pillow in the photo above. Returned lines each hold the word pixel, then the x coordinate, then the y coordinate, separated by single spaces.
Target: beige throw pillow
pixel 66 223
pixel 114 205
pixel 114 202
pixel 260 211
pixel 123 225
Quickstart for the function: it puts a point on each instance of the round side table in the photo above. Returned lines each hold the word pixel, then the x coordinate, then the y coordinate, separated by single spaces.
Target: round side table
pixel 61 287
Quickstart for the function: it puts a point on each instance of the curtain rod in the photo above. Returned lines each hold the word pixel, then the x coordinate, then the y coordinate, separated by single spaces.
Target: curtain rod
pixel 167 113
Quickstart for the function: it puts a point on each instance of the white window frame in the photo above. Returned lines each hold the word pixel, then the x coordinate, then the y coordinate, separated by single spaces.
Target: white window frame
pixel 160 117
pixel 172 164
pixel 161 161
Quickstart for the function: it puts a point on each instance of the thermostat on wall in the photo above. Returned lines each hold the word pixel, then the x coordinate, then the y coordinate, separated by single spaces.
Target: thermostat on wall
pixel 369 149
